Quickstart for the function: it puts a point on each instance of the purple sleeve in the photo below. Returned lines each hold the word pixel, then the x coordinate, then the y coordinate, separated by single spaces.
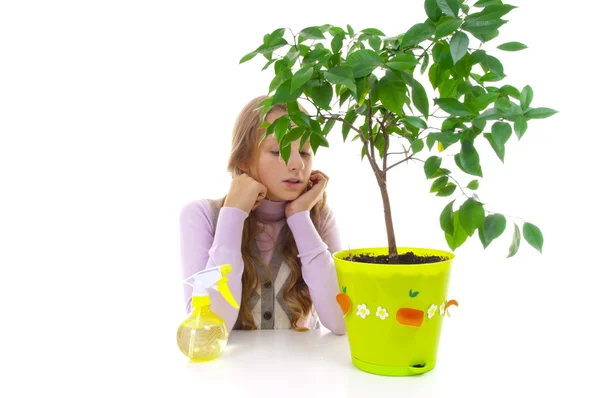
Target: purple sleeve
pixel 204 246
pixel 318 269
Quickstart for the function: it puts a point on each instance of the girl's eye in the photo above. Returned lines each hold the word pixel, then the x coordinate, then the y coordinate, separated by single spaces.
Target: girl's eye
pixel 275 153
pixel 305 153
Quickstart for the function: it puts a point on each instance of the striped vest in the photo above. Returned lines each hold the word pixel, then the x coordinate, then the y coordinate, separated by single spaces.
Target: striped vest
pixel 268 308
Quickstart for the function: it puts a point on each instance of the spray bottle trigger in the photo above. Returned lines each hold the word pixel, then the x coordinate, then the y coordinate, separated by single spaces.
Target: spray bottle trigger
pixel 226 293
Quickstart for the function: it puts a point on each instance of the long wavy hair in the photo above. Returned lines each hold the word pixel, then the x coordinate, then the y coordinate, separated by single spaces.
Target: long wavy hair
pixel 244 150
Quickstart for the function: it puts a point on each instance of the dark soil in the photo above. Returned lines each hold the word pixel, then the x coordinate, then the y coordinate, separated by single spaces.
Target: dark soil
pixel 404 258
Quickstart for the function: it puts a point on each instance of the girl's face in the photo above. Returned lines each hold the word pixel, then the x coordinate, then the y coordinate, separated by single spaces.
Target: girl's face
pixel 283 182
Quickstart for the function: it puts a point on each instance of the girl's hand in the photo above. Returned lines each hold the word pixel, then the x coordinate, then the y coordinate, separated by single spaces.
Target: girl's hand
pixel 245 193
pixel 305 202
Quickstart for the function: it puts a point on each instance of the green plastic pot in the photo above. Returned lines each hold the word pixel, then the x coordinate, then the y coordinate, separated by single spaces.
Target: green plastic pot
pixel 393 312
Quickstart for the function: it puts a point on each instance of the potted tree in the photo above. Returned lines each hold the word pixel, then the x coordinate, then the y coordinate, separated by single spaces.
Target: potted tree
pixel 374 87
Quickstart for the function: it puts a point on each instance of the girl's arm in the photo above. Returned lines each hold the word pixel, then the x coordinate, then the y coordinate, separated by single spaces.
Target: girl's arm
pixel 318 269
pixel 203 246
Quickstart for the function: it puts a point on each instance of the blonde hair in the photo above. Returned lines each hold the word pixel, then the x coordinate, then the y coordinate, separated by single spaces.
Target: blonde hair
pixel 244 151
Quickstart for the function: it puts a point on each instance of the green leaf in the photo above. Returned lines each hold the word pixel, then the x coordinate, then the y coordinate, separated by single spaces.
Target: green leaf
pixel 432 164
pixel 520 126
pixel 447 190
pixel 316 56
pixel 526 97
pixel 458 46
pixel 312 32
pixel 471 215
pixel 402 62
pixel 483 27
pixel 350 30
pixel 276 82
pixel 513 112
pixel 490 13
pixel 416 121
pixel 283 94
pixel 473 185
pixel 300 118
pixel 439 184
pixel 459 236
pixel 328 126
pixel 363 62
pixel 499 150
pixel 271 46
pixel 301 77
pixel 447 218
pixel 419 97
pixel 373 31
pixel 452 106
pixel 447 27
pixel 432 10
pixel 248 57
pixel 294 134
pixel 449 7
pixel 425 63
pixel 516 242
pixel 502 104
pixel 375 43
pixel 362 89
pixel 350 117
pixel 321 95
pixel 493 226
pixel 539 113
pixel 512 46
pixel 285 152
pixel 484 100
pixel 511 90
pixel 391 91
pixel 533 236
pixel 501 132
pixel 317 140
pixel 493 64
pixel 485 3
pixel 337 42
pixel 282 124
pixel 418 33
pixel 469 159
pixel 341 75
pixel 413 294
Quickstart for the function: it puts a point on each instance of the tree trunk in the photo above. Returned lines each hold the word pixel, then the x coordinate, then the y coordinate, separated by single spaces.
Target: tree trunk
pixel 387 211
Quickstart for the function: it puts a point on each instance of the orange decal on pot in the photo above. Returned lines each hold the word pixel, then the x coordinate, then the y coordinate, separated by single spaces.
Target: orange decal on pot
pixel 450 303
pixel 410 317
pixel 344 302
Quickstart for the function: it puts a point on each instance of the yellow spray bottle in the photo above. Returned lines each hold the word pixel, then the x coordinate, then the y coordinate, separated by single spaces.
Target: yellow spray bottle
pixel 203 335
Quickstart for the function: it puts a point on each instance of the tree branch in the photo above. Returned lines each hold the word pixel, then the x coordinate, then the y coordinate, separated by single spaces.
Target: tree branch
pixel 372 161
pixel 448 175
pixel 400 162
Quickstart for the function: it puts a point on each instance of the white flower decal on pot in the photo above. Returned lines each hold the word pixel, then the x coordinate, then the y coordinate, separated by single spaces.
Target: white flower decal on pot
pixel 382 313
pixel 432 310
pixel 443 308
pixel 363 311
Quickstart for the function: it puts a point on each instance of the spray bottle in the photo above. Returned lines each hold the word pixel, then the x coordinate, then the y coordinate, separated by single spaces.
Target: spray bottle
pixel 203 335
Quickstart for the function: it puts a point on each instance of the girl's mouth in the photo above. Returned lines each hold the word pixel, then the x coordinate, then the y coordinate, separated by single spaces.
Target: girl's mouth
pixel 292 183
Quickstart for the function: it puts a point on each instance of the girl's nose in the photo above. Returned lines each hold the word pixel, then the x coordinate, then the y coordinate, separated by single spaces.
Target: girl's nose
pixel 295 162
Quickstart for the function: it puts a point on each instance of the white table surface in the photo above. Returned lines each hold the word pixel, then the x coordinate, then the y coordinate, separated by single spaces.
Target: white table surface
pixel 513 335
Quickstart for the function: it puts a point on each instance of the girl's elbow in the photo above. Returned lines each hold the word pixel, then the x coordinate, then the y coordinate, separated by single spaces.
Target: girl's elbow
pixel 337 328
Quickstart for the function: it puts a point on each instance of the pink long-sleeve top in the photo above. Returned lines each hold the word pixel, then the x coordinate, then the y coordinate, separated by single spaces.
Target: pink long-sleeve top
pixel 211 237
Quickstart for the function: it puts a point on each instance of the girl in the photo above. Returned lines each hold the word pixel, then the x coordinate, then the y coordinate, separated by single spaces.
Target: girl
pixel 275 230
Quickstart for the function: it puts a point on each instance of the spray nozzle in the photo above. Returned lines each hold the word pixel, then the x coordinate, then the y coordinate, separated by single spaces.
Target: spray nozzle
pixel 203 280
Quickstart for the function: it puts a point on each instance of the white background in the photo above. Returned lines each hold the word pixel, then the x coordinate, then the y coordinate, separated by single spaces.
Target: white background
pixel 114 114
